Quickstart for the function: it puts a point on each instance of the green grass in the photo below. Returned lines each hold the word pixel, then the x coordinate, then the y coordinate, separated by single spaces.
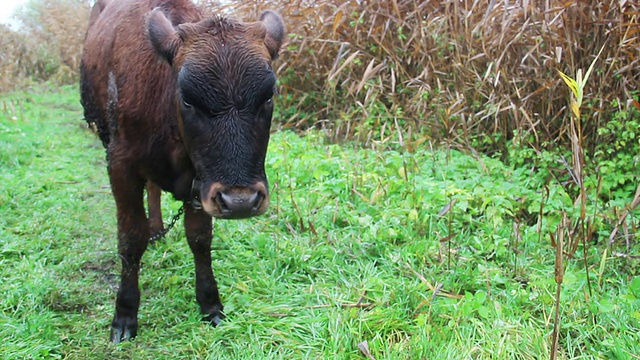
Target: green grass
pixel 352 249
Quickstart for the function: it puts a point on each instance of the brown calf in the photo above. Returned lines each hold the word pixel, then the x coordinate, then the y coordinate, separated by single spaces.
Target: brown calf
pixel 182 103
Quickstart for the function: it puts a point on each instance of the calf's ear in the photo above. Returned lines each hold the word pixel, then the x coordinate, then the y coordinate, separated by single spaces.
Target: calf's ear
pixel 275 32
pixel 163 36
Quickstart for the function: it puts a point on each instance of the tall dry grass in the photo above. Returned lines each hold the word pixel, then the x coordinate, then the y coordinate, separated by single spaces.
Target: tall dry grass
pixel 10 58
pixel 47 45
pixel 455 68
pixel 413 70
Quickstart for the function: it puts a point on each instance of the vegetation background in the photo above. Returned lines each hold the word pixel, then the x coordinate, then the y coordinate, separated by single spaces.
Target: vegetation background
pixel 476 82
pixel 464 72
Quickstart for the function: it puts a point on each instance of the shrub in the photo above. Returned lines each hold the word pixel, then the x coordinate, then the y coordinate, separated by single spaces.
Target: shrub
pixel 48 44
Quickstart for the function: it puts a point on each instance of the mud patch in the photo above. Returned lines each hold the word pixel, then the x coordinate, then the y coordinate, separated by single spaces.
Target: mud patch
pixel 106 271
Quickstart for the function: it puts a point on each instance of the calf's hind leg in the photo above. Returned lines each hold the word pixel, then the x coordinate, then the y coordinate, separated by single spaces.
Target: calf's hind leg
pixel 198 228
pixel 154 193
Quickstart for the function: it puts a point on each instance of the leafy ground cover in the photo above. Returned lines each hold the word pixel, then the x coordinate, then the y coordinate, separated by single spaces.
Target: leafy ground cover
pixel 423 255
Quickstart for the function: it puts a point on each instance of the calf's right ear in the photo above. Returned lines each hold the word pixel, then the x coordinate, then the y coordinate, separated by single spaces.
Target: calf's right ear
pixel 163 35
pixel 275 32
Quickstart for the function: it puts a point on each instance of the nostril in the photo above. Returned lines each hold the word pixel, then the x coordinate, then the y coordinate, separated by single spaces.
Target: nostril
pixel 220 200
pixel 255 201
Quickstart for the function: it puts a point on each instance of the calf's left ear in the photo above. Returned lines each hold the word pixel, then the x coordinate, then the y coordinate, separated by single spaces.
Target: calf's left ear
pixel 275 32
pixel 163 36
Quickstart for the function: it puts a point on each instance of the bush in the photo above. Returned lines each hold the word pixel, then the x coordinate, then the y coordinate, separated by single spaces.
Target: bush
pixel 48 44
pixel 12 50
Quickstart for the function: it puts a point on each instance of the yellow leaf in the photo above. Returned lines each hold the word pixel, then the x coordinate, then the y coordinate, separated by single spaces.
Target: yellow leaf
pixel 413 215
pixel 575 109
pixel 337 21
pixel 586 76
pixel 571 83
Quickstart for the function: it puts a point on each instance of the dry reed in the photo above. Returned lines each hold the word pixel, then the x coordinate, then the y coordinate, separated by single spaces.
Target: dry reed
pixel 453 69
pixel 417 71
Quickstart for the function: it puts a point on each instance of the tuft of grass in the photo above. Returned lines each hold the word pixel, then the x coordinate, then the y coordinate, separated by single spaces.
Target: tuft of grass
pixel 428 254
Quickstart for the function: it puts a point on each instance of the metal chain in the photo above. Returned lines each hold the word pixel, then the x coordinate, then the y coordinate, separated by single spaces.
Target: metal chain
pixel 172 223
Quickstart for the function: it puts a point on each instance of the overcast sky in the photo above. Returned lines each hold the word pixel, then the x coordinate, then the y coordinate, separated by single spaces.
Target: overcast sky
pixel 6 9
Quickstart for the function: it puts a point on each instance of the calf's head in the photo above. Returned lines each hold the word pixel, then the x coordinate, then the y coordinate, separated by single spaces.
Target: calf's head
pixel 225 85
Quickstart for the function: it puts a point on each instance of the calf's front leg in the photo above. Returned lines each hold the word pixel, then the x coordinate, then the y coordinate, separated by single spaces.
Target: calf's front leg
pixel 198 229
pixel 133 238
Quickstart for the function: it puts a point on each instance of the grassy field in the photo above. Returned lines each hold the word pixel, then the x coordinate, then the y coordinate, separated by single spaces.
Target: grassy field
pixel 429 255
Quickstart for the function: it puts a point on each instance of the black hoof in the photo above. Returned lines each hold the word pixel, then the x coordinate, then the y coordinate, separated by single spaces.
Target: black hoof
pixel 214 316
pixel 123 329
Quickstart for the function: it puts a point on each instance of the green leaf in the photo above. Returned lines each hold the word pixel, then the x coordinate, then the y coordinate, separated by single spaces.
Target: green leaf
pixel 605 306
pixel 634 287
pixel 483 311
pixel 481 297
